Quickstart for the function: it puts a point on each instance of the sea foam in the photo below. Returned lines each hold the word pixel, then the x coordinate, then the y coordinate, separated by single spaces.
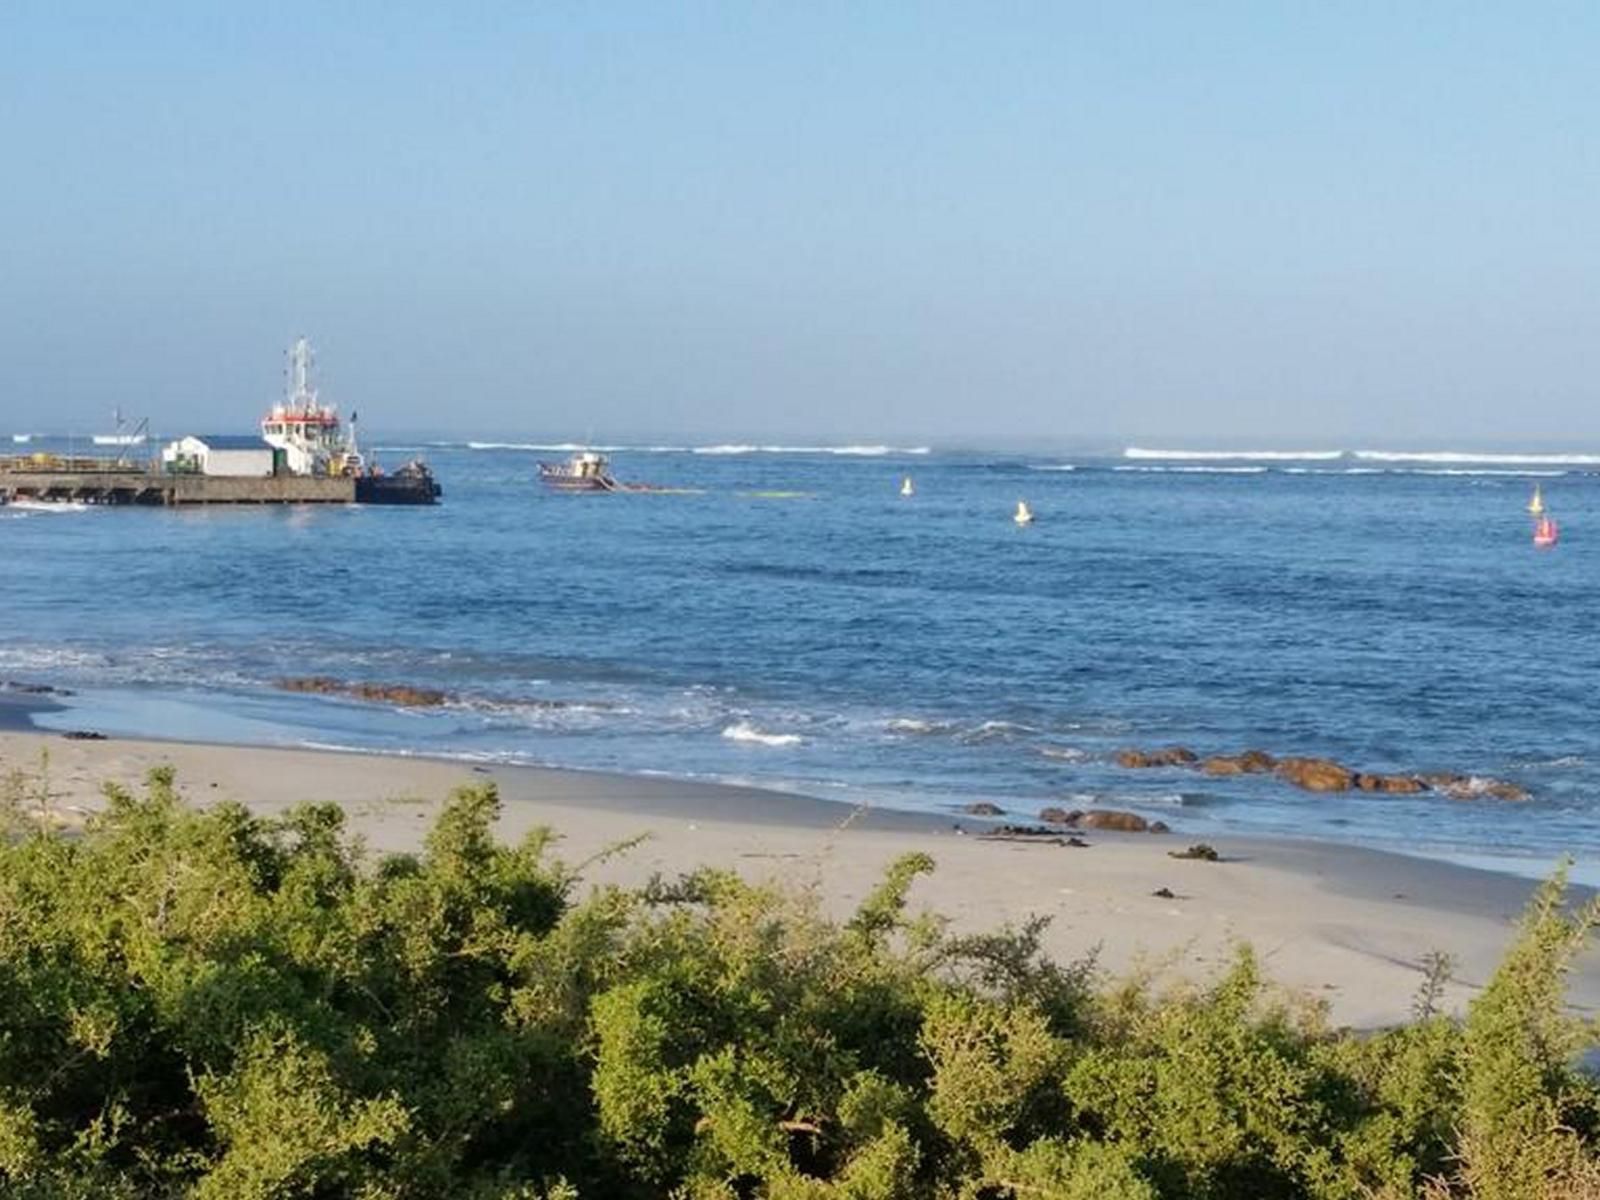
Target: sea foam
pixel 743 731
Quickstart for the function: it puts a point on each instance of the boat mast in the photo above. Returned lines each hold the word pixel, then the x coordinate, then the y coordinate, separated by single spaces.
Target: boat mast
pixel 301 393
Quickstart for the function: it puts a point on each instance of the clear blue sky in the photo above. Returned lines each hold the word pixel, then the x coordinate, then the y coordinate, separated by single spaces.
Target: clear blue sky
pixel 847 221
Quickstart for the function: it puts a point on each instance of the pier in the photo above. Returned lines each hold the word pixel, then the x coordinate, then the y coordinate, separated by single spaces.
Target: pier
pixel 90 481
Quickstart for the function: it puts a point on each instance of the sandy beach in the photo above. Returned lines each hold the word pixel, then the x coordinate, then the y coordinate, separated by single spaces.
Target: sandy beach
pixel 1343 925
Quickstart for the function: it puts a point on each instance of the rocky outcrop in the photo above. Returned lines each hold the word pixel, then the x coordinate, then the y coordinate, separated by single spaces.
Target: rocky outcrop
pixel 1475 787
pixel 402 695
pixel 1315 774
pixel 1110 818
pixel 1060 816
pixel 32 689
pixel 1169 756
pixel 982 808
pixel 1251 762
pixel 1326 775
pixel 1393 785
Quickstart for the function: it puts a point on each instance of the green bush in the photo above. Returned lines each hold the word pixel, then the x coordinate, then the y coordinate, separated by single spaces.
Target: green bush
pixel 215 1004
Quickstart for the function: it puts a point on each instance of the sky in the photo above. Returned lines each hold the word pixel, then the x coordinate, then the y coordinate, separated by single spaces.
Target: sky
pixel 985 223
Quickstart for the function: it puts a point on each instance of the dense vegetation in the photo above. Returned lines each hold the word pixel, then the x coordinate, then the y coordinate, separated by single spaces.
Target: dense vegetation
pixel 214 1004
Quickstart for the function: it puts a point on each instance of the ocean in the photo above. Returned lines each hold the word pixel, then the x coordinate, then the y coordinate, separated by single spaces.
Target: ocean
pixel 786 618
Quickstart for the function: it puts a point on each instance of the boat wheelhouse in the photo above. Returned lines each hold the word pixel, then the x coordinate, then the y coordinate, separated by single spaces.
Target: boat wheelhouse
pixel 585 471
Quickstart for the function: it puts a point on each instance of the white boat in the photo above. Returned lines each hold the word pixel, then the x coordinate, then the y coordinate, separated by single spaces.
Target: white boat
pixel 22 439
pixel 906 489
pixel 1024 514
pixel 136 438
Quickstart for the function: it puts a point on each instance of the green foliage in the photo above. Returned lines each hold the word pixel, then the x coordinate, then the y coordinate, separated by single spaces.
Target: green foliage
pixel 216 1004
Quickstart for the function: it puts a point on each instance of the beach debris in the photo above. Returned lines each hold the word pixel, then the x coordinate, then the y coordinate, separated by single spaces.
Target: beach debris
pixel 1203 851
pixel 84 735
pixel 1170 756
pixel 403 695
pixel 1165 893
pixel 1038 835
pixel 983 808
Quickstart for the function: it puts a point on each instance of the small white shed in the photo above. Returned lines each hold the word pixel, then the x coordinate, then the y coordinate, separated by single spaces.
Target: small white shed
pixel 239 457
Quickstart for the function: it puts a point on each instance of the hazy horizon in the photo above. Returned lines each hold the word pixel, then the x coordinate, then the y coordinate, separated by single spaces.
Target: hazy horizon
pixel 955 226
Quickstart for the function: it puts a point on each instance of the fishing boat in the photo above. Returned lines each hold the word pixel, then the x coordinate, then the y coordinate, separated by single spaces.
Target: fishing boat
pixel 906 488
pixel 1024 514
pixel 586 471
pixel 119 438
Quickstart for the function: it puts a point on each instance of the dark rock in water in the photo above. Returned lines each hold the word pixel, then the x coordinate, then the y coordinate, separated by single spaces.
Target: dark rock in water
pixel 1251 762
pixel 33 689
pixel 1316 774
pixel 1395 785
pixel 381 693
pixel 1160 827
pixel 1169 756
pixel 1202 851
pixel 84 735
pixel 1475 787
pixel 1110 818
pixel 982 808
pixel 322 685
pixel 1060 816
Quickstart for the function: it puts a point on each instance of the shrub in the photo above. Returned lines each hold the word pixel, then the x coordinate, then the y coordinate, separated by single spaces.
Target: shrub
pixel 212 1003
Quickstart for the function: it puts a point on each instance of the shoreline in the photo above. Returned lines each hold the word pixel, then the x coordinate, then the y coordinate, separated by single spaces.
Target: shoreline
pixel 1343 924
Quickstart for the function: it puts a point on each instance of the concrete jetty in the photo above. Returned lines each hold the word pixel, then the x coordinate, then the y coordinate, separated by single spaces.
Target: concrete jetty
pixel 87 482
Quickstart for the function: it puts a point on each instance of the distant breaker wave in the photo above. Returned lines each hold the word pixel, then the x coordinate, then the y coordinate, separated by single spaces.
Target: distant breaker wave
pixel 1468 458
pixel 574 448
pixel 1179 470
pixel 1396 457
pixel 845 451
pixel 743 731
pixel 1140 452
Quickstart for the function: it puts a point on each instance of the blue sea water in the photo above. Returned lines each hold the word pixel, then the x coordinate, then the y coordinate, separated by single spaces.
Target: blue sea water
pixel 794 621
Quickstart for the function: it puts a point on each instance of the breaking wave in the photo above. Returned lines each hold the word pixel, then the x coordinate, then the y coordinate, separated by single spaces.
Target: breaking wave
pixel 1141 452
pixel 743 731
pixel 1469 458
pixel 1196 470
pixel 845 451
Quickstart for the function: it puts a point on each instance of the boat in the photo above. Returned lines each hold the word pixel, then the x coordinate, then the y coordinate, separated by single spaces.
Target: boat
pixel 308 438
pixel 586 471
pixel 21 439
pixel 136 438
pixel 410 484
pixel 906 489
pixel 1024 514
pixel 1536 504
pixel 1545 533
